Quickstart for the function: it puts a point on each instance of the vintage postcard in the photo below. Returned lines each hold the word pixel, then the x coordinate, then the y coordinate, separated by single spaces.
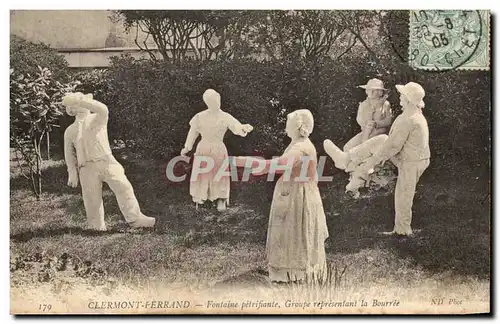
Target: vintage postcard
pixel 250 161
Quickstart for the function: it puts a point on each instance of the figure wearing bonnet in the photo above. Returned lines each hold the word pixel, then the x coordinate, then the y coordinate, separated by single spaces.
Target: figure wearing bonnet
pixel 296 234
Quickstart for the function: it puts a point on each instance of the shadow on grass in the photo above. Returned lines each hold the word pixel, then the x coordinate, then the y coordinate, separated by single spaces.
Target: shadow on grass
pixel 255 279
pixel 453 233
pixel 54 180
pixel 53 232
pixel 453 222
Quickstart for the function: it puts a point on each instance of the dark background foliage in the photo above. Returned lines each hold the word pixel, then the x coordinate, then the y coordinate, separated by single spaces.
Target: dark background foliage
pixel 151 103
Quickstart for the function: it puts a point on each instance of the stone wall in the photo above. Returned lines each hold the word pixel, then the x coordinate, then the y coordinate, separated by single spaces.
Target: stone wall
pixel 87 38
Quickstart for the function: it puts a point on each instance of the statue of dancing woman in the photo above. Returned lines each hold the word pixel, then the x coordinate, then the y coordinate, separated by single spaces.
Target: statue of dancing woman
pixel 212 124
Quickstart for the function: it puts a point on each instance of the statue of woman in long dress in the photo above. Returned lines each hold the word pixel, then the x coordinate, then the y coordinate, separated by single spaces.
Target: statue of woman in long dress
pixel 212 125
pixel 297 227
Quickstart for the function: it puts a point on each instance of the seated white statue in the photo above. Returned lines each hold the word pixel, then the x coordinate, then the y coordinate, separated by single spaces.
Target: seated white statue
pixel 374 114
pixel 407 147
pixel 212 124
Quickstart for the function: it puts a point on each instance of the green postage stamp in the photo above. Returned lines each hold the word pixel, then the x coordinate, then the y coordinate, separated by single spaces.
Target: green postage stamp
pixel 449 39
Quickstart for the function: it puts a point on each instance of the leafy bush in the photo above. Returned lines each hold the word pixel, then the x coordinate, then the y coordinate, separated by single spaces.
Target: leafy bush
pixel 34 112
pixel 26 57
pixel 93 81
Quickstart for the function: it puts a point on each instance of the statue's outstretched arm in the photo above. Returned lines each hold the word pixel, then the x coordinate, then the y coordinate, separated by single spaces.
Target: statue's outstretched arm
pixel 238 128
pixel 276 165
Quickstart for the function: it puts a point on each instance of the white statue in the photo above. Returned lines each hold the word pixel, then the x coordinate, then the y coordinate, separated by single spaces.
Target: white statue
pixel 297 227
pixel 212 125
pixel 89 159
pixel 374 114
pixel 407 146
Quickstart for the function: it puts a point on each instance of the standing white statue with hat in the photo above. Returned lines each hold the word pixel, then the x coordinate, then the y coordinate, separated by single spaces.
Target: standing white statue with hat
pixel 89 159
pixel 374 113
pixel 407 146
pixel 212 124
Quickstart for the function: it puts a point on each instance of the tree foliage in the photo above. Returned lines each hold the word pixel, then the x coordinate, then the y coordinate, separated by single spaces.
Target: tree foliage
pixel 176 32
pixel 34 112
pixel 269 34
pixel 26 57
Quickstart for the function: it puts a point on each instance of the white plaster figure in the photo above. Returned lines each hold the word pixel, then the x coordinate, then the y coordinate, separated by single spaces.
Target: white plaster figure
pixel 297 227
pixel 374 114
pixel 406 146
pixel 212 124
pixel 89 159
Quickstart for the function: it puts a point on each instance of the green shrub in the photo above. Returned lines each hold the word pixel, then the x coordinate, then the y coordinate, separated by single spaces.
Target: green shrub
pixel 93 81
pixel 152 103
pixel 35 106
pixel 26 56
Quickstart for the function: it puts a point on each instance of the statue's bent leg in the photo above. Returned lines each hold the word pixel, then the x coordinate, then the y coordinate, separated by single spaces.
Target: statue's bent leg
pixel 92 197
pixel 357 156
pixel 408 175
pixel 365 150
pixel 129 206
pixel 353 142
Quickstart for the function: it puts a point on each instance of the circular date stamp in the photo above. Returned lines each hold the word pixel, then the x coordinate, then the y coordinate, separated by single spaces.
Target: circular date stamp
pixel 449 39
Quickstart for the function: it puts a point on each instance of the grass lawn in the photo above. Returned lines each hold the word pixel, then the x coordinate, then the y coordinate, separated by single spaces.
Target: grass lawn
pixel 205 254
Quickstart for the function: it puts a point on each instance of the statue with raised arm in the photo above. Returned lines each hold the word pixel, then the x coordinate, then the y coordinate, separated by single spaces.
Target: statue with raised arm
pixel 90 161
pixel 211 124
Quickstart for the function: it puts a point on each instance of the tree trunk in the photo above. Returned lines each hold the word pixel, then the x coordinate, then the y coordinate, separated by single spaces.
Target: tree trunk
pixel 33 185
pixel 48 146
pixel 39 177
pixel 38 168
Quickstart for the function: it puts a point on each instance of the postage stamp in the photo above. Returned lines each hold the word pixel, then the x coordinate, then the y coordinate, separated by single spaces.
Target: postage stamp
pixel 449 39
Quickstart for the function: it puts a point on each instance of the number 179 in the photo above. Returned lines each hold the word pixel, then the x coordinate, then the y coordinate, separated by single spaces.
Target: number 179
pixel 45 307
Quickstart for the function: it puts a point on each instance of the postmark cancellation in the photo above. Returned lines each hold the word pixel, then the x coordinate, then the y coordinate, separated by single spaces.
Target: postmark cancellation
pixel 449 39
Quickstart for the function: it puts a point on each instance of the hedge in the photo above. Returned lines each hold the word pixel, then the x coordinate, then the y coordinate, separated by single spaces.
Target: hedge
pixel 151 103
pixel 26 56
